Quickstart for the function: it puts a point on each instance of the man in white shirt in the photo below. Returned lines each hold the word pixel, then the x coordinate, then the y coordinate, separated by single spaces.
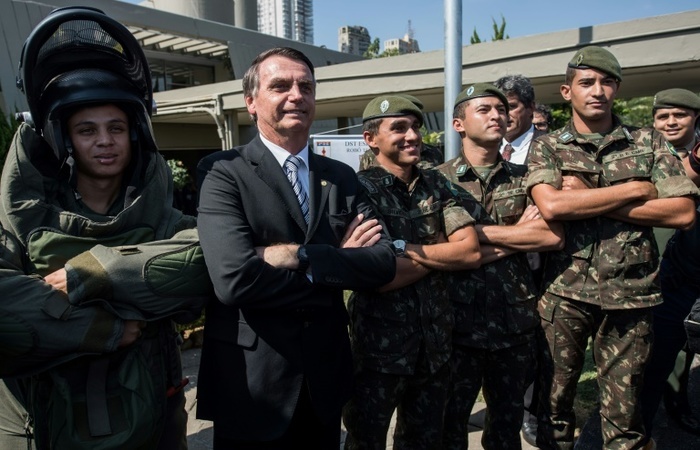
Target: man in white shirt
pixel 521 104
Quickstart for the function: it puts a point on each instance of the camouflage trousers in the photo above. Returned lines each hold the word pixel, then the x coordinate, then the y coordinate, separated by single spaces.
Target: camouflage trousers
pixel 622 342
pixel 501 375
pixel 419 401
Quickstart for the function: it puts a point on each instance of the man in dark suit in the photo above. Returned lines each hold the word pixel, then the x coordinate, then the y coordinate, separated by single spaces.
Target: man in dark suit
pixel 276 367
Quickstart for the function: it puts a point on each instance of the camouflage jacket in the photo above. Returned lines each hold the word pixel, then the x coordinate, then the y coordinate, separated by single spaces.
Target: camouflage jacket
pixel 607 262
pixel 495 304
pixel 430 157
pixel 390 330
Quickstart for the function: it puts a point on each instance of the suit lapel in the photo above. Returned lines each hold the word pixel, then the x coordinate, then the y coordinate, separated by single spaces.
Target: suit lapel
pixel 268 169
pixel 319 187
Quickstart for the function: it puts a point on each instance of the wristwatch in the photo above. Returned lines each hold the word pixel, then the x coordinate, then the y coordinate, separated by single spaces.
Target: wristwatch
pixel 303 259
pixel 399 248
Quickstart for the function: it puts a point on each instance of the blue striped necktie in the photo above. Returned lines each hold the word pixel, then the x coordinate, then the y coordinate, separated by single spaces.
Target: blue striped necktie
pixel 291 167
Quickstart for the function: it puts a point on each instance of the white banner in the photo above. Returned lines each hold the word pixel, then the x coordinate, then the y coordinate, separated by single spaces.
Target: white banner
pixel 347 148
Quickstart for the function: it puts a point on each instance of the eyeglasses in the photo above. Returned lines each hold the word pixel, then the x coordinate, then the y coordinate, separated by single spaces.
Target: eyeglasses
pixel 540 125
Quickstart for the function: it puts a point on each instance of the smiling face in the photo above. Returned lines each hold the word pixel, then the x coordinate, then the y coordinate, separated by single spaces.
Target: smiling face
pixel 398 140
pixel 284 103
pixel 676 124
pixel 101 146
pixel 591 94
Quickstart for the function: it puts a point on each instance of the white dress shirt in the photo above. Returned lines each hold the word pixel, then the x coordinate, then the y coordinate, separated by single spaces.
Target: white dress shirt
pixel 521 145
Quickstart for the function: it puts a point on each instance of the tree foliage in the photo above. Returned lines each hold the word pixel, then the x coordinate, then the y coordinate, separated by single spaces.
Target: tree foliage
pixel 372 50
pixel 498 32
pixel 181 177
pixel 634 111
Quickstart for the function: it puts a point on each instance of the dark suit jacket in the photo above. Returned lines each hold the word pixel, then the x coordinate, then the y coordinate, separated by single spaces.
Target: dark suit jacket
pixel 271 329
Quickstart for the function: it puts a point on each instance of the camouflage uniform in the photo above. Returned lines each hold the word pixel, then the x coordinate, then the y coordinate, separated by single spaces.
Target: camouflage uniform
pixel 401 339
pixel 430 156
pixel 495 315
pixel 602 284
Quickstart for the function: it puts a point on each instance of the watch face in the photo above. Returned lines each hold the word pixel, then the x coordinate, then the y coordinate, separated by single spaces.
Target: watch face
pixel 399 247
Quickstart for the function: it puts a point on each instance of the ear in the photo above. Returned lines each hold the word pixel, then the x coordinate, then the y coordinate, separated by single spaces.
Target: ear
pixel 565 91
pixel 250 105
pixel 369 139
pixel 457 125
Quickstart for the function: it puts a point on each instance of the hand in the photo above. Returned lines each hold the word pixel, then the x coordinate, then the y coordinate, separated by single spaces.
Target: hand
pixel 570 182
pixel 530 213
pixel 648 190
pixel 132 332
pixel 58 280
pixel 361 234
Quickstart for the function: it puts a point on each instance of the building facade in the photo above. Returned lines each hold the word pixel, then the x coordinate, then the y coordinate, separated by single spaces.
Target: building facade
pixel 403 45
pixel 290 19
pixel 353 40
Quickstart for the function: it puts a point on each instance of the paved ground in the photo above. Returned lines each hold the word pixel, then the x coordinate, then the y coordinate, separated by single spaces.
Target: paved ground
pixel 667 434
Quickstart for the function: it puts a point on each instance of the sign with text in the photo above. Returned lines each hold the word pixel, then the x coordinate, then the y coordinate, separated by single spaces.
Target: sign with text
pixel 347 148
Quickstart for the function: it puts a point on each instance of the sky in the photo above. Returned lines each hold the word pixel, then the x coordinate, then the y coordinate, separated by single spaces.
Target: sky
pixel 388 19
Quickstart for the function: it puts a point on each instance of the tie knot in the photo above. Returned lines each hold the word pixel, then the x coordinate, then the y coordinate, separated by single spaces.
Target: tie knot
pixel 293 163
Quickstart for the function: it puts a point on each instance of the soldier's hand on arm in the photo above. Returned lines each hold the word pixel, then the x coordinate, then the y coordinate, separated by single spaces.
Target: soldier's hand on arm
pixel 58 280
pixel 571 182
pixel 461 252
pixel 531 213
pixel 361 234
pixel 132 332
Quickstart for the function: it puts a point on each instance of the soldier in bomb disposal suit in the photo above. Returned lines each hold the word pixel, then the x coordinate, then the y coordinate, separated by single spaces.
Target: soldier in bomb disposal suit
pixel 610 183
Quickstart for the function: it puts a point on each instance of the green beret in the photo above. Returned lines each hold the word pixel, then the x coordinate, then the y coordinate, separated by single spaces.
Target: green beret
pixel 413 100
pixel 481 90
pixel 391 106
pixel 594 57
pixel 677 98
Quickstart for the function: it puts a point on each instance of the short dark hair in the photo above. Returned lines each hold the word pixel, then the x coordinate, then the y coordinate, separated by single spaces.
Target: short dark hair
pixel 546 111
pixel 518 85
pixel 569 77
pixel 371 126
pixel 251 78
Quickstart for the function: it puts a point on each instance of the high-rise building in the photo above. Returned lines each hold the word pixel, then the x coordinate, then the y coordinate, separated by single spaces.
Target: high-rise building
pixel 353 39
pixel 290 19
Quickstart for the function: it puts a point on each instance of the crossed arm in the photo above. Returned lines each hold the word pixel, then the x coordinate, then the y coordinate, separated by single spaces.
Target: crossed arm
pixel 634 202
pixel 460 251
pixel 530 234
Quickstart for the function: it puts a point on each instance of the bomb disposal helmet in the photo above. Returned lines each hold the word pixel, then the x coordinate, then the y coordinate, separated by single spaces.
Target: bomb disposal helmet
pixel 78 56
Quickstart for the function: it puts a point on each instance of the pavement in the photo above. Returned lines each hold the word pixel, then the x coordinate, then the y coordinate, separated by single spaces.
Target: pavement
pixel 667 434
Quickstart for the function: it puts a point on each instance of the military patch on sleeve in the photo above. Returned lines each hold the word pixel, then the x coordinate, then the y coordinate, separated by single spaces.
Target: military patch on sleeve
pixel 368 185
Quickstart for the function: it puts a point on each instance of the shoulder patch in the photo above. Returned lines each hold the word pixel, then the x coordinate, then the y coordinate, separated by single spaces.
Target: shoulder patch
pixel 368 185
pixel 566 137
